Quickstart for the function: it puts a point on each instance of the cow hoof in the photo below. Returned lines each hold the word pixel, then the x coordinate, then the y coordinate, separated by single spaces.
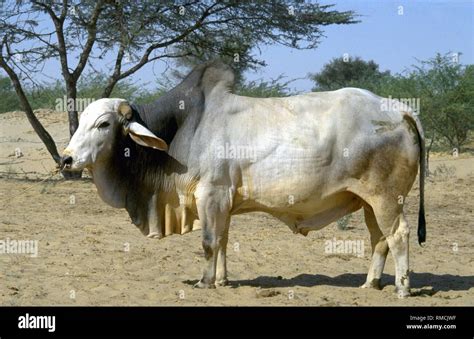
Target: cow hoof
pixel 222 282
pixel 202 284
pixel 153 235
pixel 403 293
pixel 375 284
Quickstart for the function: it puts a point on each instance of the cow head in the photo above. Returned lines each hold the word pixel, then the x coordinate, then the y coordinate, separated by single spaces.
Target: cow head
pixel 93 141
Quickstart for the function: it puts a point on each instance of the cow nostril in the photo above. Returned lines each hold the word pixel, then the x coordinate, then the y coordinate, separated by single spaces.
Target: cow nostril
pixel 66 161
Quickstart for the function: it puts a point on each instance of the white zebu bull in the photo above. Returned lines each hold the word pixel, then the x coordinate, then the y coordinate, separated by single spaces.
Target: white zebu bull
pixel 308 160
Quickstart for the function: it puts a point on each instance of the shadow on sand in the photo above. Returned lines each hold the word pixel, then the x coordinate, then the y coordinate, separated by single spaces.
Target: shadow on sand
pixel 439 282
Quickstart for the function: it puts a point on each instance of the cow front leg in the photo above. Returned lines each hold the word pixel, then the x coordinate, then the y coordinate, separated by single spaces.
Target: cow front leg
pixel 154 229
pixel 214 216
pixel 214 244
pixel 209 272
pixel 221 273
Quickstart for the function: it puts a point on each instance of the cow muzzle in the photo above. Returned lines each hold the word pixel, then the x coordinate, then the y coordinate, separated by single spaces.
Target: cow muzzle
pixel 65 162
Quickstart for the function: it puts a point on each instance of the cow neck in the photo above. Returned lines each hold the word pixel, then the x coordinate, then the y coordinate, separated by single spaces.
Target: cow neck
pixel 130 181
pixel 108 185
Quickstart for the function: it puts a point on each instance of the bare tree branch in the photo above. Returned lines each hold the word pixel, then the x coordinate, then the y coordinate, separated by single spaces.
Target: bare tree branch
pixel 91 38
pixel 39 129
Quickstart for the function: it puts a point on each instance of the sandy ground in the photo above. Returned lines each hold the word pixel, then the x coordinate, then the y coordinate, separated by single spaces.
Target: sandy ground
pixel 90 254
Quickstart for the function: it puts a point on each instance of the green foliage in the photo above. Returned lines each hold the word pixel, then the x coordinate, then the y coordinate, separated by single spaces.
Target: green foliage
pixel 351 72
pixel 265 89
pixel 445 89
pixel 42 96
pixel 9 101
pixel 446 92
pixel 45 95
pixel 90 87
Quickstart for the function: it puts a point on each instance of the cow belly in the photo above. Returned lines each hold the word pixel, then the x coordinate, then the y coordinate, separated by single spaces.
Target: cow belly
pixel 335 210
pixel 314 214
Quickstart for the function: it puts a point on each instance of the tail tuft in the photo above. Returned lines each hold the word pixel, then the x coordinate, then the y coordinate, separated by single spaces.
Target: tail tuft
pixel 421 227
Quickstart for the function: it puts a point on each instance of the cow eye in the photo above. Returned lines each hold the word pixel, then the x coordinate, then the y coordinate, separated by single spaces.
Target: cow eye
pixel 103 125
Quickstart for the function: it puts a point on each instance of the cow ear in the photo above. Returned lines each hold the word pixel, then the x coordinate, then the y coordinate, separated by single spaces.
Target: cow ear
pixel 143 136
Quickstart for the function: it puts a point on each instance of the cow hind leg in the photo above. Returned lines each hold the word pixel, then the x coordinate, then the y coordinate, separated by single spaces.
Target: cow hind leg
pixel 379 250
pixel 398 244
pixel 389 216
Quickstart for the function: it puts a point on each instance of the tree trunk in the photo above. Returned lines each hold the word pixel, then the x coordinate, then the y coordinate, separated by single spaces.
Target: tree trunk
pixel 73 122
pixel 428 150
pixel 35 123
pixel 109 88
pixel 72 109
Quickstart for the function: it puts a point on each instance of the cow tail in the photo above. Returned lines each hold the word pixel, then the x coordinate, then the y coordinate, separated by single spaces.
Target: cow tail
pixel 415 122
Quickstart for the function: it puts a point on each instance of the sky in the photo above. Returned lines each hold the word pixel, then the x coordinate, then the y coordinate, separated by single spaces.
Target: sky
pixel 393 41
pixel 392 33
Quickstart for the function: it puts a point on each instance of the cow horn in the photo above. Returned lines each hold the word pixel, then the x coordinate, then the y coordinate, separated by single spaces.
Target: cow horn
pixel 125 110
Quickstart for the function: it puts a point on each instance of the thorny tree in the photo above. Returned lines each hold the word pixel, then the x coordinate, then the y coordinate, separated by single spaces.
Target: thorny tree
pixel 135 33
